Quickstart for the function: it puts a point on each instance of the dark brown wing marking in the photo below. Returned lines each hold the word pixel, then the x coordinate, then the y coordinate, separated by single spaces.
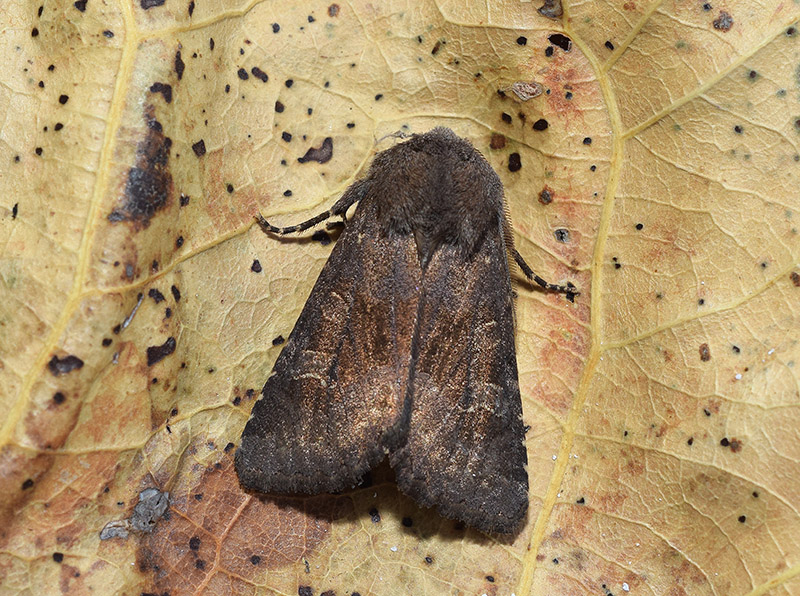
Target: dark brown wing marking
pixel 334 403
pixel 464 451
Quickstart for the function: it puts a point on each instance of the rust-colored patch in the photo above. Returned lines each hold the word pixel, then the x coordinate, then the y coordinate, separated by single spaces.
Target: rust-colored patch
pixel 149 185
pixel 497 141
pixel 705 353
pixel 185 552
pixel 735 444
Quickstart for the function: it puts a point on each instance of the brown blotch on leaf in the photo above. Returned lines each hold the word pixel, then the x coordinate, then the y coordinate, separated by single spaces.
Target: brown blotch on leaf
pixel 157 353
pixel 164 89
pixel 551 9
pixel 61 366
pixel 179 65
pixel 560 40
pixel 723 22
pixel 321 154
pixel 545 197
pixel 705 353
pixel 795 277
pixel 149 182
pixel 148 4
pixel 497 141
pixel 333 10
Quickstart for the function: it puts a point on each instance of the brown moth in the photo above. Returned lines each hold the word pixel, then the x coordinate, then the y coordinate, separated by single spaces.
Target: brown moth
pixel 405 346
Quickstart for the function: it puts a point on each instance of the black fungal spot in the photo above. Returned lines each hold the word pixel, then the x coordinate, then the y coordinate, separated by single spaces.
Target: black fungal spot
pixel 286 136
pixel 255 560
pixel 593 168
pixel 211 43
pixel 560 40
pixel 429 560
pixel 705 353
pixel 639 226
pixel 522 41
pixel 194 543
pixel 587 140
pixel 200 564
pixel 58 126
pixel 311 19
pixel 545 198
pixel 275 27
pixel 179 242
pixel 108 33
pixel 505 118
pixel 279 107
pixel 548 51
pixel 58 557
pixel 707 6
pixel 228 447
pixel 34 32
pixel 287 193
pixel 156 295
pixel 568 95
pixel 278 340
pixel 609 45
pixel 379 96
pixel 581 501
pixel 490 579
pixel 752 75
pixel 791 31
pixel 289 83
pixel 437 46
pixel 107 341
pixel 737 129
pixel 148 4
pixel 149 181
pixel 259 74
pixel 184 200
pixel 237 400
pixel 176 293
pixel 322 154
pixel 407 522
pixel 229 188
pixel 723 22
pixel 725 442
pixel 514 162
pixel 62 99
pixel 617 265
pixel 322 237
pixel 755 494
pixel 374 516
pixel 179 65
pixel 227 88
pixel 38 151
pixel 305 591
pixel 742 519
pixel 256 266
pixel 191 8
pixel 62 366
pixel 59 398
pixel 199 148
pixel 562 235
pixel 158 353
pixel 27 484
pixel 80 5
pixel 242 74
pixel 540 124
pixel 690 441
pixel 701 302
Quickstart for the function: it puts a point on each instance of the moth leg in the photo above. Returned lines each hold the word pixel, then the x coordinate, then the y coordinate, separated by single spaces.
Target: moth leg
pixel 340 207
pixel 568 289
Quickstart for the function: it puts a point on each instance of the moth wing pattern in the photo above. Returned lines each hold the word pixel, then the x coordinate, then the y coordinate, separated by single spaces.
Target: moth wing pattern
pixel 335 401
pixel 464 452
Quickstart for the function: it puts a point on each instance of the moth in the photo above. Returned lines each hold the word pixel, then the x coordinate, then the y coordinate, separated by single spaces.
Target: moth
pixel 405 347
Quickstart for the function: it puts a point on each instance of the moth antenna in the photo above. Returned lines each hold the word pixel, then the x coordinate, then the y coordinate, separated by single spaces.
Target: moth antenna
pixel 310 223
pixel 568 289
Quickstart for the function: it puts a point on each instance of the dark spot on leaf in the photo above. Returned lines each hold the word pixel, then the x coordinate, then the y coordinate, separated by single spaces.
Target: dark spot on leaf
pixel 429 560
pixel 191 8
pixel 179 242
pixel 62 99
pixel 581 501
pixel 256 266
pixel 436 47
pixel 540 124
pixel 379 96
pixel 724 442
pixel 80 5
pixel 199 148
pixel 333 10
pixel 587 140
pixel 27 484
pixel 505 118
pixel 242 74
pixel 548 51
pixel 305 591
pixel 560 40
pixel 184 200
pixel 690 441
pixel 156 295
pixel 737 129
pixel 289 83
pixel 58 557
pixel 176 293
pixel 795 277
pixel 158 353
pixel 497 141
pixel 514 162
pixel 286 136
pixel 149 182
pixel 705 353
pixel 322 154
pixel 374 515
pixel 62 366
pixel 259 74
pixel 278 340
pixel 59 397
pixel 407 522
pixel 200 564
pixel 108 33
pixel 229 188
pixel 255 559
pixel 107 341
pixel 147 4
pixel 522 41
pixel 639 226
pixel 609 45
pixel 194 543
pixel 562 235
pixel 279 107
pixel 275 27
pixel 723 22
pixel 742 519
